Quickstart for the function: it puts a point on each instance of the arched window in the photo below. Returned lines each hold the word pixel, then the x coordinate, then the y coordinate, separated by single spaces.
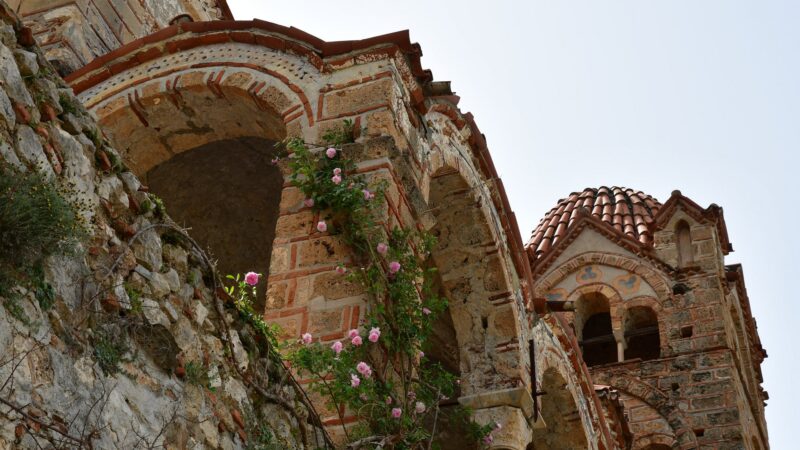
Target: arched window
pixel 593 319
pixel 641 332
pixel 683 239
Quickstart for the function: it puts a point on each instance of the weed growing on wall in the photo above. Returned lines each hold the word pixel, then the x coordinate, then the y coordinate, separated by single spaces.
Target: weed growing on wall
pixel 36 221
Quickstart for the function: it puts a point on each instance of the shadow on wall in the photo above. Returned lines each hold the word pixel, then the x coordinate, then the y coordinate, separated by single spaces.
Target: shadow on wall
pixel 564 428
pixel 228 192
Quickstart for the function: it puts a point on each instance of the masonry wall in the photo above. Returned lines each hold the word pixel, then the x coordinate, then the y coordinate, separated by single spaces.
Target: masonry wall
pixel 73 33
pixel 135 281
pixel 703 390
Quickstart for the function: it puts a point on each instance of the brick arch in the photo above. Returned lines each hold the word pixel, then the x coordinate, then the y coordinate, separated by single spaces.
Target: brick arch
pixel 657 308
pixel 654 440
pixel 557 347
pixel 483 302
pixel 554 359
pixel 615 302
pixel 153 120
pixel 656 279
pixel 657 399
pixel 559 411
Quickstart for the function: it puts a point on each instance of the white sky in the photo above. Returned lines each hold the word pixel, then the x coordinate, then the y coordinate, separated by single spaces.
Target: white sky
pixel 701 96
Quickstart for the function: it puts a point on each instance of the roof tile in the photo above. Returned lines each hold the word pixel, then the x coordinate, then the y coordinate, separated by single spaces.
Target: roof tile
pixel 626 210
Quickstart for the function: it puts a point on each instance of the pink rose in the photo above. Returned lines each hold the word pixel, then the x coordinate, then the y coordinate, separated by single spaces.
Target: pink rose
pixel 352 333
pixel 374 334
pixel 426 311
pixel 368 195
pixel 322 226
pixel 331 152
pixel 419 407
pixel 394 267
pixel 356 341
pixel 309 202
pixel 488 439
pixel 275 160
pixel 421 354
pixel 354 380
pixel 364 369
pixel 388 400
pixel 307 338
pixel 251 278
pixel 382 248
pixel 341 270
pixel 396 413
pixel 337 171
pixel 337 347
pixel 497 426
pixel 336 179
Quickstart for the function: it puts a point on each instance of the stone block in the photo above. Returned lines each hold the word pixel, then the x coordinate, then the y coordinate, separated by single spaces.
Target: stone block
pixel 323 250
pixel 276 295
pixel 294 225
pixel 357 99
pixel 334 286
pixel 325 322
pixel 30 150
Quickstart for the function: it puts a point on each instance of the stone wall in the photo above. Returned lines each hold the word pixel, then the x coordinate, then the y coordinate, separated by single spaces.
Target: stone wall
pixel 73 33
pixel 137 351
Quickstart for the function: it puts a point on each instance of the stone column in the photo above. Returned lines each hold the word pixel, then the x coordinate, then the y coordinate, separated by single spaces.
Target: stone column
pixel 511 408
pixel 619 336
pixel 514 434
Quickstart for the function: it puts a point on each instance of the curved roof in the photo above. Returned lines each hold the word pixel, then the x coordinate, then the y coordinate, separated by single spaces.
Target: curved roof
pixel 626 210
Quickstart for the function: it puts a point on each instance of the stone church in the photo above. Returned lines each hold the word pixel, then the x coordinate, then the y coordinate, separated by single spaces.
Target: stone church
pixel 616 325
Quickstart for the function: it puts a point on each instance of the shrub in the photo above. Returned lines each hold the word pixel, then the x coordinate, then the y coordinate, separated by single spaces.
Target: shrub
pixel 196 374
pixel 109 349
pixel 36 221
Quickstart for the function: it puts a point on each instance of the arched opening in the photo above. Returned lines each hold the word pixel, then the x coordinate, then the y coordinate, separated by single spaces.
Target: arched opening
pixel 641 333
pixel 683 238
pixel 228 193
pixel 593 319
pixel 564 429
pixel 206 150
pixel 472 273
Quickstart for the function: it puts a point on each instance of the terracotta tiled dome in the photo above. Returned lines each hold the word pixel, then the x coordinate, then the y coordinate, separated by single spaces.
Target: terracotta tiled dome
pixel 628 211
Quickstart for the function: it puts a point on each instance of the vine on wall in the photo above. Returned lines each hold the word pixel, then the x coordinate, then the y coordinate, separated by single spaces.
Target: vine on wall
pixel 378 373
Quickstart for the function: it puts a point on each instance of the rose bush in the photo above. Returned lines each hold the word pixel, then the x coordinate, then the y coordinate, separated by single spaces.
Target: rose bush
pixel 379 373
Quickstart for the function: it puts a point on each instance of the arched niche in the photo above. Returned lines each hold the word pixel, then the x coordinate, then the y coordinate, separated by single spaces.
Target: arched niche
pixel 228 193
pixel 563 427
pixel 475 282
pixel 683 240
pixel 642 333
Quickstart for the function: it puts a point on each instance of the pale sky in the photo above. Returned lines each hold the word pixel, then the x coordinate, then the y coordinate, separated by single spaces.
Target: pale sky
pixel 697 95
